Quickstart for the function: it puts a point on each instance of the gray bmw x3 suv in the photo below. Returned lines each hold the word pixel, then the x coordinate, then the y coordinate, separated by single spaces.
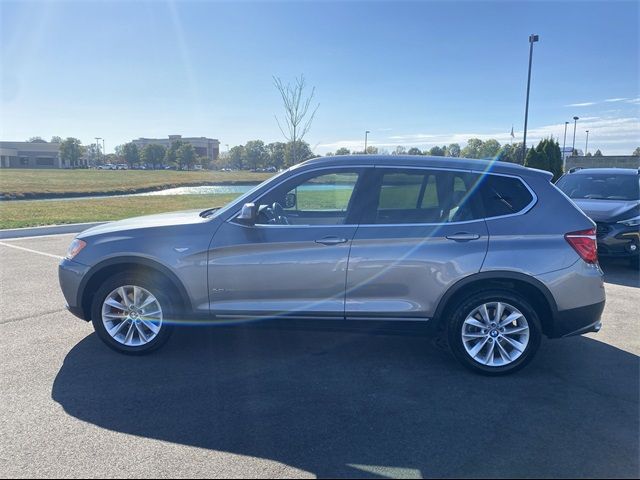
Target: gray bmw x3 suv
pixel 490 254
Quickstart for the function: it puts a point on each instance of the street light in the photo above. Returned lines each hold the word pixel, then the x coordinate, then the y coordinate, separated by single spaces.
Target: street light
pixel 575 124
pixel 532 39
pixel 586 145
pixel 365 141
pixel 98 147
pixel 564 142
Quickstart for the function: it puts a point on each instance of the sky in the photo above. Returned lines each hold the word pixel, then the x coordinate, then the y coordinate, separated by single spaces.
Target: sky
pixel 413 74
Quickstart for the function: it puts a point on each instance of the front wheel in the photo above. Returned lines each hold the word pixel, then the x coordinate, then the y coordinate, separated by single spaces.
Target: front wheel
pixel 131 313
pixel 494 332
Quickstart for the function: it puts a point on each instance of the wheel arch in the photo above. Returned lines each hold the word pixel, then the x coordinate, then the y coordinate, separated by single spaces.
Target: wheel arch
pixel 107 268
pixel 531 288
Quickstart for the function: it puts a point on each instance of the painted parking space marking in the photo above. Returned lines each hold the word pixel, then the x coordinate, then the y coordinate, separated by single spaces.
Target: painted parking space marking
pixel 57 257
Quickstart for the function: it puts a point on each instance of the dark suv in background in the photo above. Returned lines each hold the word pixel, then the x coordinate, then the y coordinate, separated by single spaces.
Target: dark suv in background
pixel 611 198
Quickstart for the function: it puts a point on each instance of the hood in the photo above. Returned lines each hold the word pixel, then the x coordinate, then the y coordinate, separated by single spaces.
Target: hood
pixel 607 210
pixel 188 217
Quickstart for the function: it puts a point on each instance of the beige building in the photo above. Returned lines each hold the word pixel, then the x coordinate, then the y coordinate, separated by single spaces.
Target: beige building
pixel 31 155
pixel 204 147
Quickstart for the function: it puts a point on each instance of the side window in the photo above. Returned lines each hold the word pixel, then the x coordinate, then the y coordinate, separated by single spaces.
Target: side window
pixel 424 196
pixel 321 199
pixel 503 195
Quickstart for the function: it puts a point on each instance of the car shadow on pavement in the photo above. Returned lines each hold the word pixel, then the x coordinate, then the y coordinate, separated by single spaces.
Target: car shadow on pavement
pixel 620 273
pixel 365 403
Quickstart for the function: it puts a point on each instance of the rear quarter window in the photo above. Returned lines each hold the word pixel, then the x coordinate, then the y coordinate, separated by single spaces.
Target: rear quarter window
pixel 503 195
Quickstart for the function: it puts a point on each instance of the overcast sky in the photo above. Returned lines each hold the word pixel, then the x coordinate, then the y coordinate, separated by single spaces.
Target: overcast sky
pixel 414 74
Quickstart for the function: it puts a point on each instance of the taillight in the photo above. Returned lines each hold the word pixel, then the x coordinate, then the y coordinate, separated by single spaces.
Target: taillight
pixel 584 242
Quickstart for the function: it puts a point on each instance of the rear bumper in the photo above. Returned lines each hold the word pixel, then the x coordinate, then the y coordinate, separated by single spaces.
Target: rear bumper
pixel 577 321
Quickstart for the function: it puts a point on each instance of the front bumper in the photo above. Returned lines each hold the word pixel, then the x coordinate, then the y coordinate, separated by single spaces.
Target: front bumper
pixel 617 241
pixel 70 274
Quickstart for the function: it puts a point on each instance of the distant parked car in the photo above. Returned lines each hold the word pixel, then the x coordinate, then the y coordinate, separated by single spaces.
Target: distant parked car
pixel 107 166
pixel 122 166
pixel 611 198
pixel 491 254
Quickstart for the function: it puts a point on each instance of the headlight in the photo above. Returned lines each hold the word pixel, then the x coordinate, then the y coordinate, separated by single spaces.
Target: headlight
pixel 631 222
pixel 74 248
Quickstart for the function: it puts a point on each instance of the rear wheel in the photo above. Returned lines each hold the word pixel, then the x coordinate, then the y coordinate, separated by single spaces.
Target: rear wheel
pixel 131 313
pixel 494 332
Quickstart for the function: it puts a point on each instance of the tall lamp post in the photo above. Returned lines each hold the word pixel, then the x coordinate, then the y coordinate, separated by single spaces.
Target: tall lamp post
pixel 98 147
pixel 564 142
pixel 532 39
pixel 575 124
pixel 586 145
pixel 365 141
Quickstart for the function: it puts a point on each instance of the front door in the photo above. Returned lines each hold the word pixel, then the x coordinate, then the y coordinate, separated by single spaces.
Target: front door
pixel 293 261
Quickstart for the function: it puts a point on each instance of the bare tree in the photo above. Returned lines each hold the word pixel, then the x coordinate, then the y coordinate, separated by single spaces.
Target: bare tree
pixel 298 118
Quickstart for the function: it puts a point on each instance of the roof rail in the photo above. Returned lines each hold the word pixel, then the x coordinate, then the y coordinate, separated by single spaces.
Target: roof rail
pixel 575 169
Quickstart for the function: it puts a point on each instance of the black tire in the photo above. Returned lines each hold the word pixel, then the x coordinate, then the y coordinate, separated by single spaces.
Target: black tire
pixel 159 288
pixel 460 313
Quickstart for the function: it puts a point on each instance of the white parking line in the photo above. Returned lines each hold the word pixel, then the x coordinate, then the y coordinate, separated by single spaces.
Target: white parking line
pixel 57 257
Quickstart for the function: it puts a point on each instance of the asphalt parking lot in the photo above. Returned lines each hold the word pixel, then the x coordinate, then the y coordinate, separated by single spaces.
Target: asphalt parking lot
pixel 303 400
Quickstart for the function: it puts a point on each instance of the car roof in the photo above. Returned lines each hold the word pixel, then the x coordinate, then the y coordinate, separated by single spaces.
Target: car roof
pixel 617 171
pixel 493 166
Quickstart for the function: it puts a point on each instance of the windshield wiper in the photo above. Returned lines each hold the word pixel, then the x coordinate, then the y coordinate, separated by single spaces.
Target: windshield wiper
pixel 208 211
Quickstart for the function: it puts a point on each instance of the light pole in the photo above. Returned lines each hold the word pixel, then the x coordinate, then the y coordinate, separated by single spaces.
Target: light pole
pixel 575 124
pixel 586 145
pixel 564 142
pixel 366 133
pixel 104 151
pixel 98 147
pixel 532 39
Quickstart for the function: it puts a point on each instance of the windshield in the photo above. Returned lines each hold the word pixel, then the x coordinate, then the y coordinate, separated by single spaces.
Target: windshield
pixel 601 186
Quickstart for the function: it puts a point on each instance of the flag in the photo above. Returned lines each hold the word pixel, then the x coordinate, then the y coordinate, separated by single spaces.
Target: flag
pixel 512 135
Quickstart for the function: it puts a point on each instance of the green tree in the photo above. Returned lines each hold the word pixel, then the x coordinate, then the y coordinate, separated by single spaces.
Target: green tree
pixel 130 154
pixel 236 157
pixel 598 153
pixel 153 154
pixel 399 150
pixel 371 150
pixel 301 152
pixel 636 152
pixel 70 152
pixel 55 139
pixel 255 154
pixel 489 149
pixel 343 151
pixel 186 156
pixel 453 150
pixel 472 149
pixel 414 151
pixel 437 151
pixel 537 158
pixel 511 153
pixel 554 157
pixel 171 156
pixel 36 140
pixel 277 152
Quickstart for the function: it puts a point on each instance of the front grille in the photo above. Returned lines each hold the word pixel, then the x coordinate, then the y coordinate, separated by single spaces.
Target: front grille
pixel 602 229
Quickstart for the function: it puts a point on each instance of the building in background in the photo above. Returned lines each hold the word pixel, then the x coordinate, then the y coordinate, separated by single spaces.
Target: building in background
pixel 30 155
pixel 204 147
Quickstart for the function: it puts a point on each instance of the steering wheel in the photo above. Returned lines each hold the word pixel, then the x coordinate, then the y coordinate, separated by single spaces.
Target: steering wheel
pixel 274 214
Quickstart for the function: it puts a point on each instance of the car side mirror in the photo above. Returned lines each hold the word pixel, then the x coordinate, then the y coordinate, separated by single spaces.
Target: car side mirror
pixel 248 214
pixel 290 200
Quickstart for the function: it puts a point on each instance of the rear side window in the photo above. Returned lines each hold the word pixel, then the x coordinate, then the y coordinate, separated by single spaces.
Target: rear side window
pixel 407 196
pixel 503 195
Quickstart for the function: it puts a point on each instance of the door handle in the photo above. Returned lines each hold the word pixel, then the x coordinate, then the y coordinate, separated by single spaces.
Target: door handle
pixel 463 237
pixel 332 241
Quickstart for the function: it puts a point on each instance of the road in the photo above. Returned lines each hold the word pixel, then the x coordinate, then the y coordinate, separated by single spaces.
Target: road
pixel 303 400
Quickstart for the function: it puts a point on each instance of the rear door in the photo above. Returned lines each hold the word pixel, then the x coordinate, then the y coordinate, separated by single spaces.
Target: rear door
pixel 421 231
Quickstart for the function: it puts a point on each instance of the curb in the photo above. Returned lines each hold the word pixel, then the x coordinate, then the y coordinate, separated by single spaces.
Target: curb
pixel 48 230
